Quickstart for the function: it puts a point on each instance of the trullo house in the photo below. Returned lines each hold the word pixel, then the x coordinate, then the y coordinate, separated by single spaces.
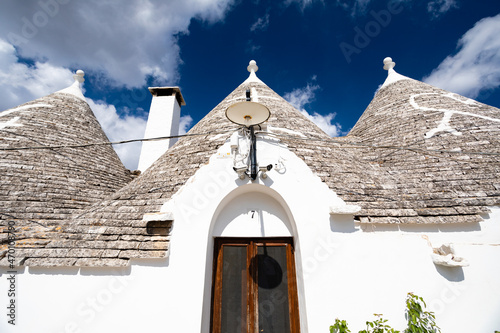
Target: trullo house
pixel 256 220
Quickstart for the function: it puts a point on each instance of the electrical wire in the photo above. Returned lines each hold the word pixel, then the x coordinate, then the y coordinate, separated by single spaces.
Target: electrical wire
pixel 344 144
pixel 365 145
pixel 118 142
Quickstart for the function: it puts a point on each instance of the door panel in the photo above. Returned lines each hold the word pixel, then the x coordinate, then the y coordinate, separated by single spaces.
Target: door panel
pixel 272 284
pixel 234 289
pixel 254 288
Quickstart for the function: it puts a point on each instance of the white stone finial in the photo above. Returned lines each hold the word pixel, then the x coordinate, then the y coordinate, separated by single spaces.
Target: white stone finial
pixel 388 63
pixel 79 76
pixel 75 88
pixel 252 66
pixel 392 75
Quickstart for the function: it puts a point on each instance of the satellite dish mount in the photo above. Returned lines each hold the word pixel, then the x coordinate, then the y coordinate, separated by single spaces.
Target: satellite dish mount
pixel 249 114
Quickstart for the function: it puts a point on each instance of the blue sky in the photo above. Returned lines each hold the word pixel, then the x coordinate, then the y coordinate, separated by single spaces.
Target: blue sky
pixel 325 57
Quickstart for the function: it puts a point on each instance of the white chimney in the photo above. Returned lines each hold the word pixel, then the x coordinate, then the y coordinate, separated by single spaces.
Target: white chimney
pixel 163 120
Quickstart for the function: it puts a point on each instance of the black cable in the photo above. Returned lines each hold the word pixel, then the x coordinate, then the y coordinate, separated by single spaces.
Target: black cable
pixel 116 142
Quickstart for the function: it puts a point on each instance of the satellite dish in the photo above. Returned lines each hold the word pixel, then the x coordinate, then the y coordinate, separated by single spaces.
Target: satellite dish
pixel 247 113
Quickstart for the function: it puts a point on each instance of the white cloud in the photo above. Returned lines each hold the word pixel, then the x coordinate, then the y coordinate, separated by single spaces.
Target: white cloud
pixel 120 128
pixel 324 122
pixel 261 24
pixel 299 97
pixel 252 48
pixel 358 7
pixel 301 3
pixel 20 83
pixel 126 41
pixel 439 7
pixel 127 128
pixel 302 96
pixel 185 124
pixel 476 66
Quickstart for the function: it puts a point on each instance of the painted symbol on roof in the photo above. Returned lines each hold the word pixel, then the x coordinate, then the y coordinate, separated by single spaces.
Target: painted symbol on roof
pixel 11 122
pixel 14 121
pixel 444 124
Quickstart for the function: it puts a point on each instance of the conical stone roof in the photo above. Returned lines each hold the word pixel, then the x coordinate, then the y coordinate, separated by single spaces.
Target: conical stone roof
pixel 40 187
pixel 442 151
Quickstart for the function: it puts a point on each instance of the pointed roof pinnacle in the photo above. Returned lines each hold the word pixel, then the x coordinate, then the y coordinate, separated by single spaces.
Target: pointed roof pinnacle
pixel 388 63
pixel 79 76
pixel 252 68
pixel 392 75
pixel 75 89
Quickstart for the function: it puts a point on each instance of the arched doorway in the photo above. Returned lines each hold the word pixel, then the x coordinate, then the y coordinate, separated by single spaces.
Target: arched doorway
pixel 254 285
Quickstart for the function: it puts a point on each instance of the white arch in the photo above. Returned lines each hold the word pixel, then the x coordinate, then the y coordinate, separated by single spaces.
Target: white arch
pixel 252 210
pixel 232 219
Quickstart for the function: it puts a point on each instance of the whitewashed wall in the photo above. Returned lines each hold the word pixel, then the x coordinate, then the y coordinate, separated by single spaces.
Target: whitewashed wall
pixel 343 270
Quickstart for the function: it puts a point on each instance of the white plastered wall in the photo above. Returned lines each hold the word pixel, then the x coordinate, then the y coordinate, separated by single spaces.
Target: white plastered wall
pixel 343 270
pixel 215 202
pixel 372 270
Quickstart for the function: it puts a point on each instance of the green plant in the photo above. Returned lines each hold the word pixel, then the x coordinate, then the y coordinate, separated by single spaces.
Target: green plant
pixel 339 327
pixel 418 320
pixel 378 326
